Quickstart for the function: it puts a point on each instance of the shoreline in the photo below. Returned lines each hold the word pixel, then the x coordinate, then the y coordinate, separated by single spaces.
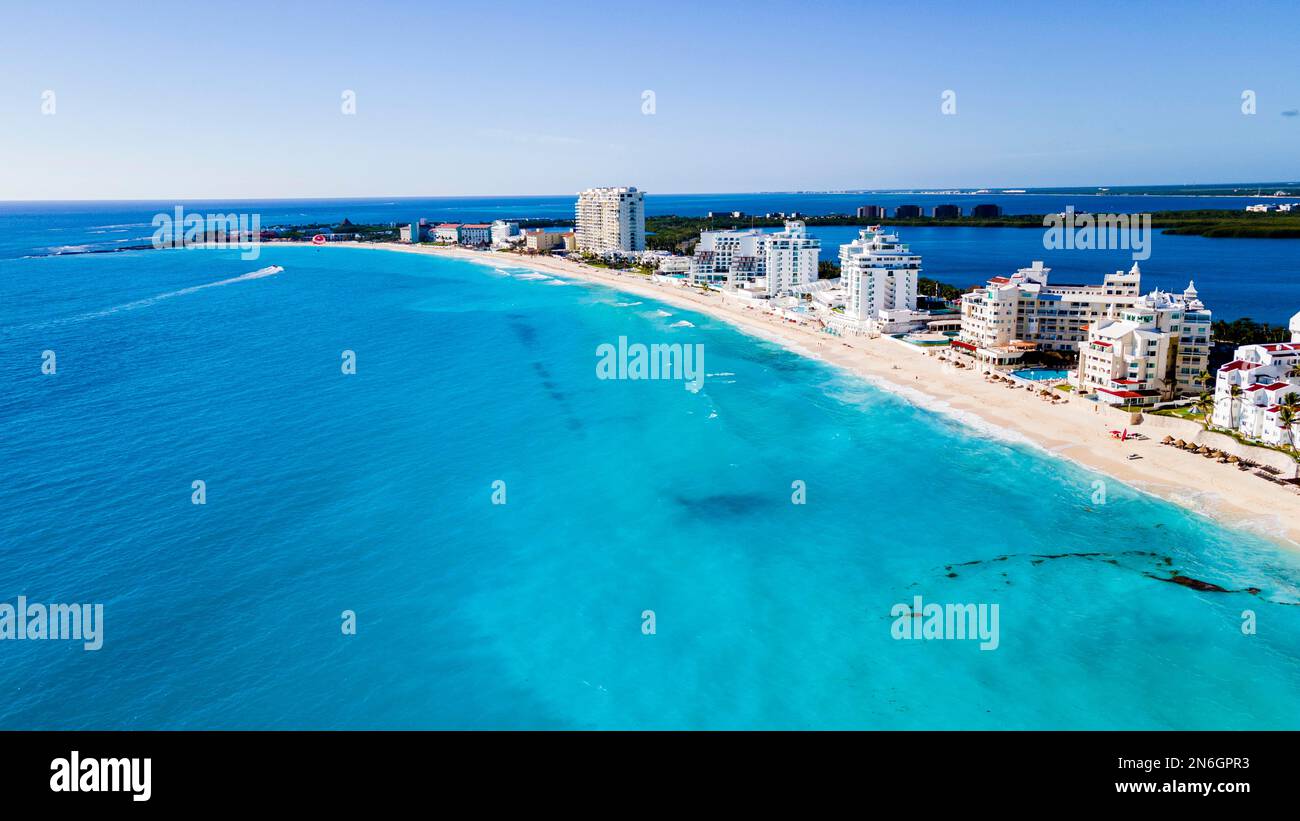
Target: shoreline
pixel 1077 431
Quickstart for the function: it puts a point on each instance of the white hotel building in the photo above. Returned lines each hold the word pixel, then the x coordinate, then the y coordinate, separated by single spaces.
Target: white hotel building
pixel 447 232
pixel 477 234
pixel 790 259
pixel 772 265
pixel 503 232
pixel 879 276
pixel 1154 352
pixel 1251 390
pixel 731 257
pixel 1022 312
pixel 610 221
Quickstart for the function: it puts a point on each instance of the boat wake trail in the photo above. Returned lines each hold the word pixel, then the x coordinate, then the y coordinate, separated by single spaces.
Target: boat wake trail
pixel 260 273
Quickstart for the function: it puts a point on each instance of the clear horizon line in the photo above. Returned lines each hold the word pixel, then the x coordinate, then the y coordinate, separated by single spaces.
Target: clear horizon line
pixel 991 189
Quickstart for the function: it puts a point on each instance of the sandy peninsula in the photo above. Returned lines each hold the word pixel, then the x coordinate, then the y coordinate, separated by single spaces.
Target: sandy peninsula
pixel 1077 429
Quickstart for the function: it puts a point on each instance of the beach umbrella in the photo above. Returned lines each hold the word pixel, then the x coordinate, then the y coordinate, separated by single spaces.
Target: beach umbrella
pixel 1234 459
pixel 1202 449
pixel 1180 444
pixel 1167 440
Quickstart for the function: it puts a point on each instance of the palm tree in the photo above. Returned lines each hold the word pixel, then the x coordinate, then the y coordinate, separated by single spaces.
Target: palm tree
pixel 1286 418
pixel 1206 406
pixel 1204 378
pixel 1235 392
pixel 1290 408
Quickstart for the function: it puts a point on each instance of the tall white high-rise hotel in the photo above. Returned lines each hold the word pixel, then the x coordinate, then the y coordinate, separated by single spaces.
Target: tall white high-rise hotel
pixel 879 275
pixel 790 259
pixel 610 221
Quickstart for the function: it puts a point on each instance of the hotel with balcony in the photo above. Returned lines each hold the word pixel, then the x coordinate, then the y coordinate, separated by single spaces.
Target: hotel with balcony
pixel 610 221
pixel 879 275
pixel 758 265
pixel 504 233
pixel 1013 315
pixel 447 232
pixel 476 234
pixel 729 257
pixel 790 259
pixel 1251 390
pixel 1154 352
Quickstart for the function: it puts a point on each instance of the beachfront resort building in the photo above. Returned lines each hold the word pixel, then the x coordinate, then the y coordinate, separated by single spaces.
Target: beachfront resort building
pixel 878 274
pixel 1155 351
pixel 764 265
pixel 731 257
pixel 447 232
pixel 1259 390
pixel 504 233
pixel 669 264
pixel 476 234
pixel 542 241
pixel 610 221
pixel 1012 315
pixel 415 232
pixel 790 259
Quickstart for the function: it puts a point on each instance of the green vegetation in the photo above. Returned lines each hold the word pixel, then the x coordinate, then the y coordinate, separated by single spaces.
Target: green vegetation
pixel 614 264
pixel 1247 331
pixel 365 233
pixel 674 233
pixel 1187 412
pixel 933 287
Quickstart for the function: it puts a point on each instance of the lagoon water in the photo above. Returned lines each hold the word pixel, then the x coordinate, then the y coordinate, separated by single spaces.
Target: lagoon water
pixel 373 493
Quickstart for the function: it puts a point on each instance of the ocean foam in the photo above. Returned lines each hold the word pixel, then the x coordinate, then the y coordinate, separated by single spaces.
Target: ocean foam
pixel 260 273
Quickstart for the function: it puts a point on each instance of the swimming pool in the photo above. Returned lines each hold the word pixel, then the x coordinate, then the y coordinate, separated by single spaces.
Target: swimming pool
pixel 1042 374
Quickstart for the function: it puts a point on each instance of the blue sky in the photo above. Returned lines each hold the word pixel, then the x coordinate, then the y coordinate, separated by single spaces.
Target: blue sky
pixel 243 99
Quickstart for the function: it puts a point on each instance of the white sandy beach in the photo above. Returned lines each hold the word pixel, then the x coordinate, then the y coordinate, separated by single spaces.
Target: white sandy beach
pixel 1078 430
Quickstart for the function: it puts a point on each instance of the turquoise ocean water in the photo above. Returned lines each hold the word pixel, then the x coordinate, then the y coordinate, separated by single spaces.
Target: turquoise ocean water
pixel 373 493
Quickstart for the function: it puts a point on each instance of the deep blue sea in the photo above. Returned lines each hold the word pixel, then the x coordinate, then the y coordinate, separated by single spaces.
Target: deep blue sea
pixel 372 492
pixel 1256 278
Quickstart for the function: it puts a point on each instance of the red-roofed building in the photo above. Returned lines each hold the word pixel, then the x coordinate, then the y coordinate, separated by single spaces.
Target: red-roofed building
pixel 1154 350
pixel 1252 389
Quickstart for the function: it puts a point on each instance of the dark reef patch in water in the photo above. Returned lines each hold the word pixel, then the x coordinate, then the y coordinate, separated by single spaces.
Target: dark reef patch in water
pixel 527 335
pixel 733 504
pixel 1114 559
